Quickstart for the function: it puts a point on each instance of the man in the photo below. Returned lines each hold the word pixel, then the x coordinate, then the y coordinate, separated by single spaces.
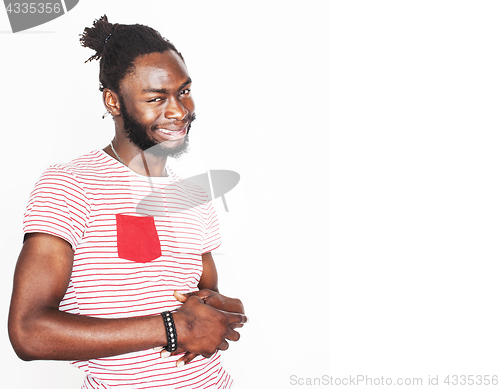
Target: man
pixel 116 272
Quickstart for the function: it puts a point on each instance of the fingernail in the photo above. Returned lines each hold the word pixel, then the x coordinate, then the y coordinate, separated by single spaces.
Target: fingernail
pixel 158 348
pixel 164 354
pixel 180 363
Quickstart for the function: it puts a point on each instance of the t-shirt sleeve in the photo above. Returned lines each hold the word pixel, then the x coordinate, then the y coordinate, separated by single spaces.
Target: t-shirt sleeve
pixel 58 205
pixel 212 231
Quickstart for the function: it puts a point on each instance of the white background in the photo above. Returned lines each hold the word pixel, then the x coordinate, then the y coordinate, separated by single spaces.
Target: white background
pixel 401 280
pixel 260 83
pixel 415 188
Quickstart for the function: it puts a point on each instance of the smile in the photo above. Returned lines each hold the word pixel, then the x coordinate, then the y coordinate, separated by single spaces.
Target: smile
pixel 172 134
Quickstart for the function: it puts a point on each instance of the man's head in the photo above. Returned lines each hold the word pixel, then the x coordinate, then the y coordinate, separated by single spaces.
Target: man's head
pixel 156 105
pixel 118 45
pixel 145 85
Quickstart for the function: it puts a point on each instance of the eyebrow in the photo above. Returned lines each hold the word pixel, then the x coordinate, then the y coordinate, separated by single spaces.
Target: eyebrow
pixel 164 90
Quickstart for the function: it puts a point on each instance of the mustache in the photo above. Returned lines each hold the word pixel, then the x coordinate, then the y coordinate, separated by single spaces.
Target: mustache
pixel 187 120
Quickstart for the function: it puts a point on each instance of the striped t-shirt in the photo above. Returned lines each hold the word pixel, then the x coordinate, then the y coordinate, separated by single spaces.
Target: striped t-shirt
pixel 136 240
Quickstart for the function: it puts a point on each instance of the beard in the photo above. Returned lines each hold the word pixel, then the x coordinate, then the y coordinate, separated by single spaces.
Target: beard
pixel 137 133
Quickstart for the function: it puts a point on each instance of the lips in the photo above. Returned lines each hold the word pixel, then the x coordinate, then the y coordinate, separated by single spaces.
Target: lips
pixel 172 133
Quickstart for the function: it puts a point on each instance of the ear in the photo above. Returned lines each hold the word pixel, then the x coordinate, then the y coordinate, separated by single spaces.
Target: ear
pixel 111 102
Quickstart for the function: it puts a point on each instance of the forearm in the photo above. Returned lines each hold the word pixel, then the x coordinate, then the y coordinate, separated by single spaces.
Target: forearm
pixel 38 330
pixel 57 335
pixel 52 334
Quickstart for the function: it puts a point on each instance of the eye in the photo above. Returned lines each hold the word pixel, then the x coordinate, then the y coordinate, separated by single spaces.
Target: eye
pixel 155 100
pixel 185 92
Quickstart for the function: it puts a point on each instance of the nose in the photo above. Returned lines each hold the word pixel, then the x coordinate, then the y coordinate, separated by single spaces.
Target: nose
pixel 175 109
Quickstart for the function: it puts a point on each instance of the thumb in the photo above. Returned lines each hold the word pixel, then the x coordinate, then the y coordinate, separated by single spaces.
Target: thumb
pixel 185 359
pixel 180 296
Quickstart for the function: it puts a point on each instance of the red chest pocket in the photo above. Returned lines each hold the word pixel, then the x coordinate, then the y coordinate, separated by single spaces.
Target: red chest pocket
pixel 136 237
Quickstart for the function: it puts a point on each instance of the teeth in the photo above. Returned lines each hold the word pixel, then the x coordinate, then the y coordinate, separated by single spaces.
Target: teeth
pixel 166 131
pixel 172 133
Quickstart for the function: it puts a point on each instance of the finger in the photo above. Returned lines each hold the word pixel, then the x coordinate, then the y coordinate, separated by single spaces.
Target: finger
pixel 178 351
pixel 204 294
pixel 165 354
pixel 204 298
pixel 236 318
pixel 233 335
pixel 224 345
pixel 185 359
pixel 206 355
pixel 182 297
pixel 232 305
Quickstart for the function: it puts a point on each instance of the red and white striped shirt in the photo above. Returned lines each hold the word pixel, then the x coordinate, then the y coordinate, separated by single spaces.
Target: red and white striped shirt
pixel 136 240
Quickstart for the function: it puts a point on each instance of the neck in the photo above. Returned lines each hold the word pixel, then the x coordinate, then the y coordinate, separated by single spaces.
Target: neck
pixel 149 165
pixel 141 162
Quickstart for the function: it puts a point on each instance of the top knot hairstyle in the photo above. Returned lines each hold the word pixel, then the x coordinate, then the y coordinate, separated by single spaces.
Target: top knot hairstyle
pixel 118 45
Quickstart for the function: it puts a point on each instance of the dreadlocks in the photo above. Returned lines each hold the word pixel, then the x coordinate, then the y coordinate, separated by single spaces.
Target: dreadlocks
pixel 118 45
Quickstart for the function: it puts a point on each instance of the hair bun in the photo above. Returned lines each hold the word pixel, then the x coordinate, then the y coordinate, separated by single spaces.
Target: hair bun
pixel 96 37
pixel 118 45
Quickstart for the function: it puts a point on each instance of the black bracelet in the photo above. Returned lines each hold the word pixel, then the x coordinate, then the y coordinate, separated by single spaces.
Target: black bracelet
pixel 168 320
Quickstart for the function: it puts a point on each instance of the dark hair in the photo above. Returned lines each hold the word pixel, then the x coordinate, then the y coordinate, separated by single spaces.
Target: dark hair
pixel 118 45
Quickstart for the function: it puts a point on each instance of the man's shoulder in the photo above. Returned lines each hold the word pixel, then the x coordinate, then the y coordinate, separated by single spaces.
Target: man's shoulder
pixel 90 163
pixel 90 160
pixel 84 170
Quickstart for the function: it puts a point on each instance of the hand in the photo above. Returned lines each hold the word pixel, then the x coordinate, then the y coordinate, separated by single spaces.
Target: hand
pixel 202 329
pixel 215 300
pixel 224 306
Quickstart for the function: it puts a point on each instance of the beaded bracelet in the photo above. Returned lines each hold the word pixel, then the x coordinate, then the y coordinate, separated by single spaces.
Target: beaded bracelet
pixel 168 320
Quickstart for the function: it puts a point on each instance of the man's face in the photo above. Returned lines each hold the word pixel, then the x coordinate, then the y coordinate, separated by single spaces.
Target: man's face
pixel 156 104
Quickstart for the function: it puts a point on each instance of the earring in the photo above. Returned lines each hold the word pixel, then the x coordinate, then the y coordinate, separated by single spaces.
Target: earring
pixel 105 114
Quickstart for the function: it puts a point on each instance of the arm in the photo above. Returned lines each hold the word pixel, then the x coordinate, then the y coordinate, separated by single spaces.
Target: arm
pixel 209 294
pixel 209 278
pixel 38 330
pixel 209 282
